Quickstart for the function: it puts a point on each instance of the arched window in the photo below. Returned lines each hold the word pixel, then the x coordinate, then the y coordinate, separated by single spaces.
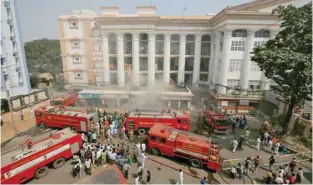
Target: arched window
pixel 262 34
pixel 239 33
pixel 190 38
pixel 206 38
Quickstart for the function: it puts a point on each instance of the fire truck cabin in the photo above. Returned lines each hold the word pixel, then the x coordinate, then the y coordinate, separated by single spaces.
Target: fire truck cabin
pixel 31 157
pixel 218 122
pixel 55 117
pixel 143 121
pixel 197 149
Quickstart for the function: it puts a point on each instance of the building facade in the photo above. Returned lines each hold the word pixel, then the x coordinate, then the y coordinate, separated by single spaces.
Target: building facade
pixel 145 49
pixel 14 72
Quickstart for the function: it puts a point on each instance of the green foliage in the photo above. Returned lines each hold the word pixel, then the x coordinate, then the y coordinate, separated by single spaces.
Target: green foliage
pixel 275 120
pixel 34 80
pixel 43 56
pixel 287 59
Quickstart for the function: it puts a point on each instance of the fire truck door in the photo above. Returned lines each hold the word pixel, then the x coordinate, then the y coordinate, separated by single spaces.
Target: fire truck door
pixel 83 126
pixel 74 148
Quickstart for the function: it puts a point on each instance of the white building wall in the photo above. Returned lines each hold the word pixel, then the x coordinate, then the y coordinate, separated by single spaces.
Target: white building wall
pixel 255 75
pixel 14 68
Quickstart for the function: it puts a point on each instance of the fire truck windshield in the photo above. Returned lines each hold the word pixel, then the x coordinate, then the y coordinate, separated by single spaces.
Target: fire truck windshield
pixel 222 122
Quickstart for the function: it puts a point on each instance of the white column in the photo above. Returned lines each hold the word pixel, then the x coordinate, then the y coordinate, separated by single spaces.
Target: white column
pixel 265 82
pixel 120 60
pixel 135 67
pixel 169 104
pixel 166 60
pixel 225 62
pixel 105 58
pixel 181 67
pixel 211 64
pixel 197 57
pixel 216 56
pixel 246 63
pixel 151 59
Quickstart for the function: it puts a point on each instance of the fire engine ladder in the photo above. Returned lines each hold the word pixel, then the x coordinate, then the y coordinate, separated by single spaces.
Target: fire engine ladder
pixel 38 138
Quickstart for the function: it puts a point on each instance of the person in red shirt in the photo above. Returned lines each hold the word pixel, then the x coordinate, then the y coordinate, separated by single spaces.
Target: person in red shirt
pixel 292 179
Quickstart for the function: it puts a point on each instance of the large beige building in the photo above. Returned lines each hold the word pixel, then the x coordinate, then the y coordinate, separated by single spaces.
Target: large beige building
pixel 148 49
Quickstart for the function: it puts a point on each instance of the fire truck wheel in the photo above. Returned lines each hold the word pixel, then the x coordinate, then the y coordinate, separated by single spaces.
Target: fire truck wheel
pixel 41 172
pixel 196 163
pixel 42 125
pixel 58 163
pixel 142 131
pixel 156 152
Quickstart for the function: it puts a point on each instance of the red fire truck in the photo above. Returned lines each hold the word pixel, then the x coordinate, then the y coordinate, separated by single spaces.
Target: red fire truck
pixel 197 149
pixel 23 162
pixel 217 122
pixel 68 99
pixel 55 117
pixel 143 121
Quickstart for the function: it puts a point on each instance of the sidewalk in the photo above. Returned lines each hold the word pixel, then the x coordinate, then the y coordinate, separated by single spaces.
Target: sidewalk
pixel 7 131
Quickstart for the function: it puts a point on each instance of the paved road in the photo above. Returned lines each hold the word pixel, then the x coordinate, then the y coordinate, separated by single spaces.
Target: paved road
pixel 160 174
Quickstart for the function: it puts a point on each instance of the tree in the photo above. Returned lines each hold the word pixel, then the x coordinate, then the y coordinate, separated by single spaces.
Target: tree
pixel 287 58
pixel 43 56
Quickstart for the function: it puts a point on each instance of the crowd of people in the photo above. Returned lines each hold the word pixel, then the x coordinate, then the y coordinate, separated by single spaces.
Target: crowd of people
pixel 285 174
pixel 98 148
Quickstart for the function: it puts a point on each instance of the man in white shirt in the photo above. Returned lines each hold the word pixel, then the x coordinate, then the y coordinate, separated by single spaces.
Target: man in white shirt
pixel 258 143
pixel 136 180
pixel 112 129
pixel 277 148
pixel 270 145
pixel 142 159
pixel 180 177
pixel 143 147
pixel 235 144
pixel 88 166
pixel 113 157
pixel 279 179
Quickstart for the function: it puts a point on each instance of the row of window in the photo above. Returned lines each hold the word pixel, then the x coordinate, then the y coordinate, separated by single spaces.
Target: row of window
pixel 253 84
pixel 257 34
pixel 20 77
pixel 99 78
pixel 235 33
pixel 240 45
pixel 205 48
pixel 235 66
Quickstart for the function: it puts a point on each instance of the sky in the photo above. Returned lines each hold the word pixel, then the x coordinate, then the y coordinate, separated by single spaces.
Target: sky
pixel 38 18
